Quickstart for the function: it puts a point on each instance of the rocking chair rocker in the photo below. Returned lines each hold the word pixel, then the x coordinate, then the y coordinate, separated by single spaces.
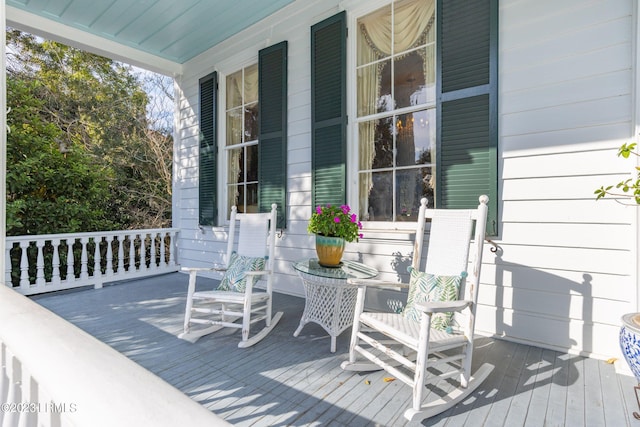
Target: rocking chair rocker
pixel 424 344
pixel 236 296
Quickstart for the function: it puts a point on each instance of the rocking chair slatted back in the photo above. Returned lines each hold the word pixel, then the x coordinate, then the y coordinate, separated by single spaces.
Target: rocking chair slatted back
pixel 253 236
pixel 448 250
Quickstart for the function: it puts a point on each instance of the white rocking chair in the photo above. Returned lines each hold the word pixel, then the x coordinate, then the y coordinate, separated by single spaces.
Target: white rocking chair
pixel 416 346
pixel 237 297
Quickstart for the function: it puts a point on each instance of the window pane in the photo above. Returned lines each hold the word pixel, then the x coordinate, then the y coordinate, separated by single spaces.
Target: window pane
pixel 234 126
pixel 235 172
pixel 251 122
pixel 252 163
pixel 409 80
pixel 374 36
pixel 251 84
pixel 251 198
pixel 412 19
pixel 415 139
pixel 379 202
pixel 245 196
pixel 411 186
pixel 374 88
pixel 240 198
pixel 234 90
pixel 376 144
pixel 429 89
pixel 232 198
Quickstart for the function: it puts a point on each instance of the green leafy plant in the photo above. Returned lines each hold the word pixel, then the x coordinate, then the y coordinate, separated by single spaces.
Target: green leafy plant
pixel 335 221
pixel 629 188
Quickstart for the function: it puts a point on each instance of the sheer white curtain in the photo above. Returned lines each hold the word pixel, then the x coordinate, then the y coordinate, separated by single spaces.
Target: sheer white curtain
pixel 411 20
pixel 234 133
pixel 251 84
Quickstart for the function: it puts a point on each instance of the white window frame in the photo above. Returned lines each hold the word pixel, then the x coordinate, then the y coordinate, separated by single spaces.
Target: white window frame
pixel 230 66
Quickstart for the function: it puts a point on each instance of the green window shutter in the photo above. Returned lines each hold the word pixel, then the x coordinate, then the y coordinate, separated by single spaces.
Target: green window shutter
pixel 328 110
pixel 207 190
pixel 467 87
pixel 272 164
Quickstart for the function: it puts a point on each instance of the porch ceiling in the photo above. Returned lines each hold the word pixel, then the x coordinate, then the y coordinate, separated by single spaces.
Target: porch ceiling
pixel 156 34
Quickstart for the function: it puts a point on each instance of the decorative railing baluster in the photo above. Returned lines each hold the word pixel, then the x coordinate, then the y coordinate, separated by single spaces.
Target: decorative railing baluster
pixel 132 253
pixel 84 259
pixel 121 255
pixel 55 262
pixel 110 268
pixel 40 281
pixel 24 267
pixel 162 248
pixel 71 276
pixel 7 261
pixel 11 367
pixel 97 272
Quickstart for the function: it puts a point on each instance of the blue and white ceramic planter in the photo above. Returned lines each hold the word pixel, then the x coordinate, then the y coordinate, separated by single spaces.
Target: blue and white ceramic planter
pixel 630 341
pixel 630 346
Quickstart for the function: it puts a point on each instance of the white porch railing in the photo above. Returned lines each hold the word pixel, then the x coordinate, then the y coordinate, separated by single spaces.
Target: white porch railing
pixel 54 374
pixel 45 263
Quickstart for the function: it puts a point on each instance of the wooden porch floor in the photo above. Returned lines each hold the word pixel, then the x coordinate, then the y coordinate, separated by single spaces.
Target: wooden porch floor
pixel 287 381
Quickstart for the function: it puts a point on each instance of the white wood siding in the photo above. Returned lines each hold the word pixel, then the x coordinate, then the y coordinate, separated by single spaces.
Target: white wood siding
pixel 565 271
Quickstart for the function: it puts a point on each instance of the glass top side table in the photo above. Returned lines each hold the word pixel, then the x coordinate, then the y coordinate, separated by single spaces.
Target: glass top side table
pixel 329 299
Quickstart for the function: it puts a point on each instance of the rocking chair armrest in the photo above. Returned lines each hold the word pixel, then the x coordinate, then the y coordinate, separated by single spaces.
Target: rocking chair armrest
pixel 199 269
pixel 257 272
pixel 377 283
pixel 442 306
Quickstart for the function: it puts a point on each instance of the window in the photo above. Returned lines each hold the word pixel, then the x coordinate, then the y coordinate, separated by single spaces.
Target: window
pixel 396 109
pixel 253 142
pixel 425 112
pixel 241 145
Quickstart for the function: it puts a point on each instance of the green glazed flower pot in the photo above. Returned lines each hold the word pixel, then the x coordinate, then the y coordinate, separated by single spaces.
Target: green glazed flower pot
pixel 329 250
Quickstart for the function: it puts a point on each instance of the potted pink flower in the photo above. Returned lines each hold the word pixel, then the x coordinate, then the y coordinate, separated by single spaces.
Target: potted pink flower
pixel 333 226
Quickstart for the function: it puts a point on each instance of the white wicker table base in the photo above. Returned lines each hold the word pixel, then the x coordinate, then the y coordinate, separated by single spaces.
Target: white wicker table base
pixel 330 303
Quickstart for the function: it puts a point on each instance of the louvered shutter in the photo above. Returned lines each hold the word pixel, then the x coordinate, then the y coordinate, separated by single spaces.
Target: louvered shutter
pixel 328 110
pixel 207 189
pixel 467 110
pixel 272 164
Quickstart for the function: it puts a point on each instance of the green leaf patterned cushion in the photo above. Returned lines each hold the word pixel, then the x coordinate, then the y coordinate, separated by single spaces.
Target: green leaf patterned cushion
pixel 234 278
pixel 429 287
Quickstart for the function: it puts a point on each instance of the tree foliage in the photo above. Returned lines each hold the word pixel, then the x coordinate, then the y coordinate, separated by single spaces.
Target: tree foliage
pixel 628 188
pixel 83 151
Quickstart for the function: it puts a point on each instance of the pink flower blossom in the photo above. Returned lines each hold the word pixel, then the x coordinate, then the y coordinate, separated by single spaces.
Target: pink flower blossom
pixel 319 210
pixel 336 220
pixel 354 218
